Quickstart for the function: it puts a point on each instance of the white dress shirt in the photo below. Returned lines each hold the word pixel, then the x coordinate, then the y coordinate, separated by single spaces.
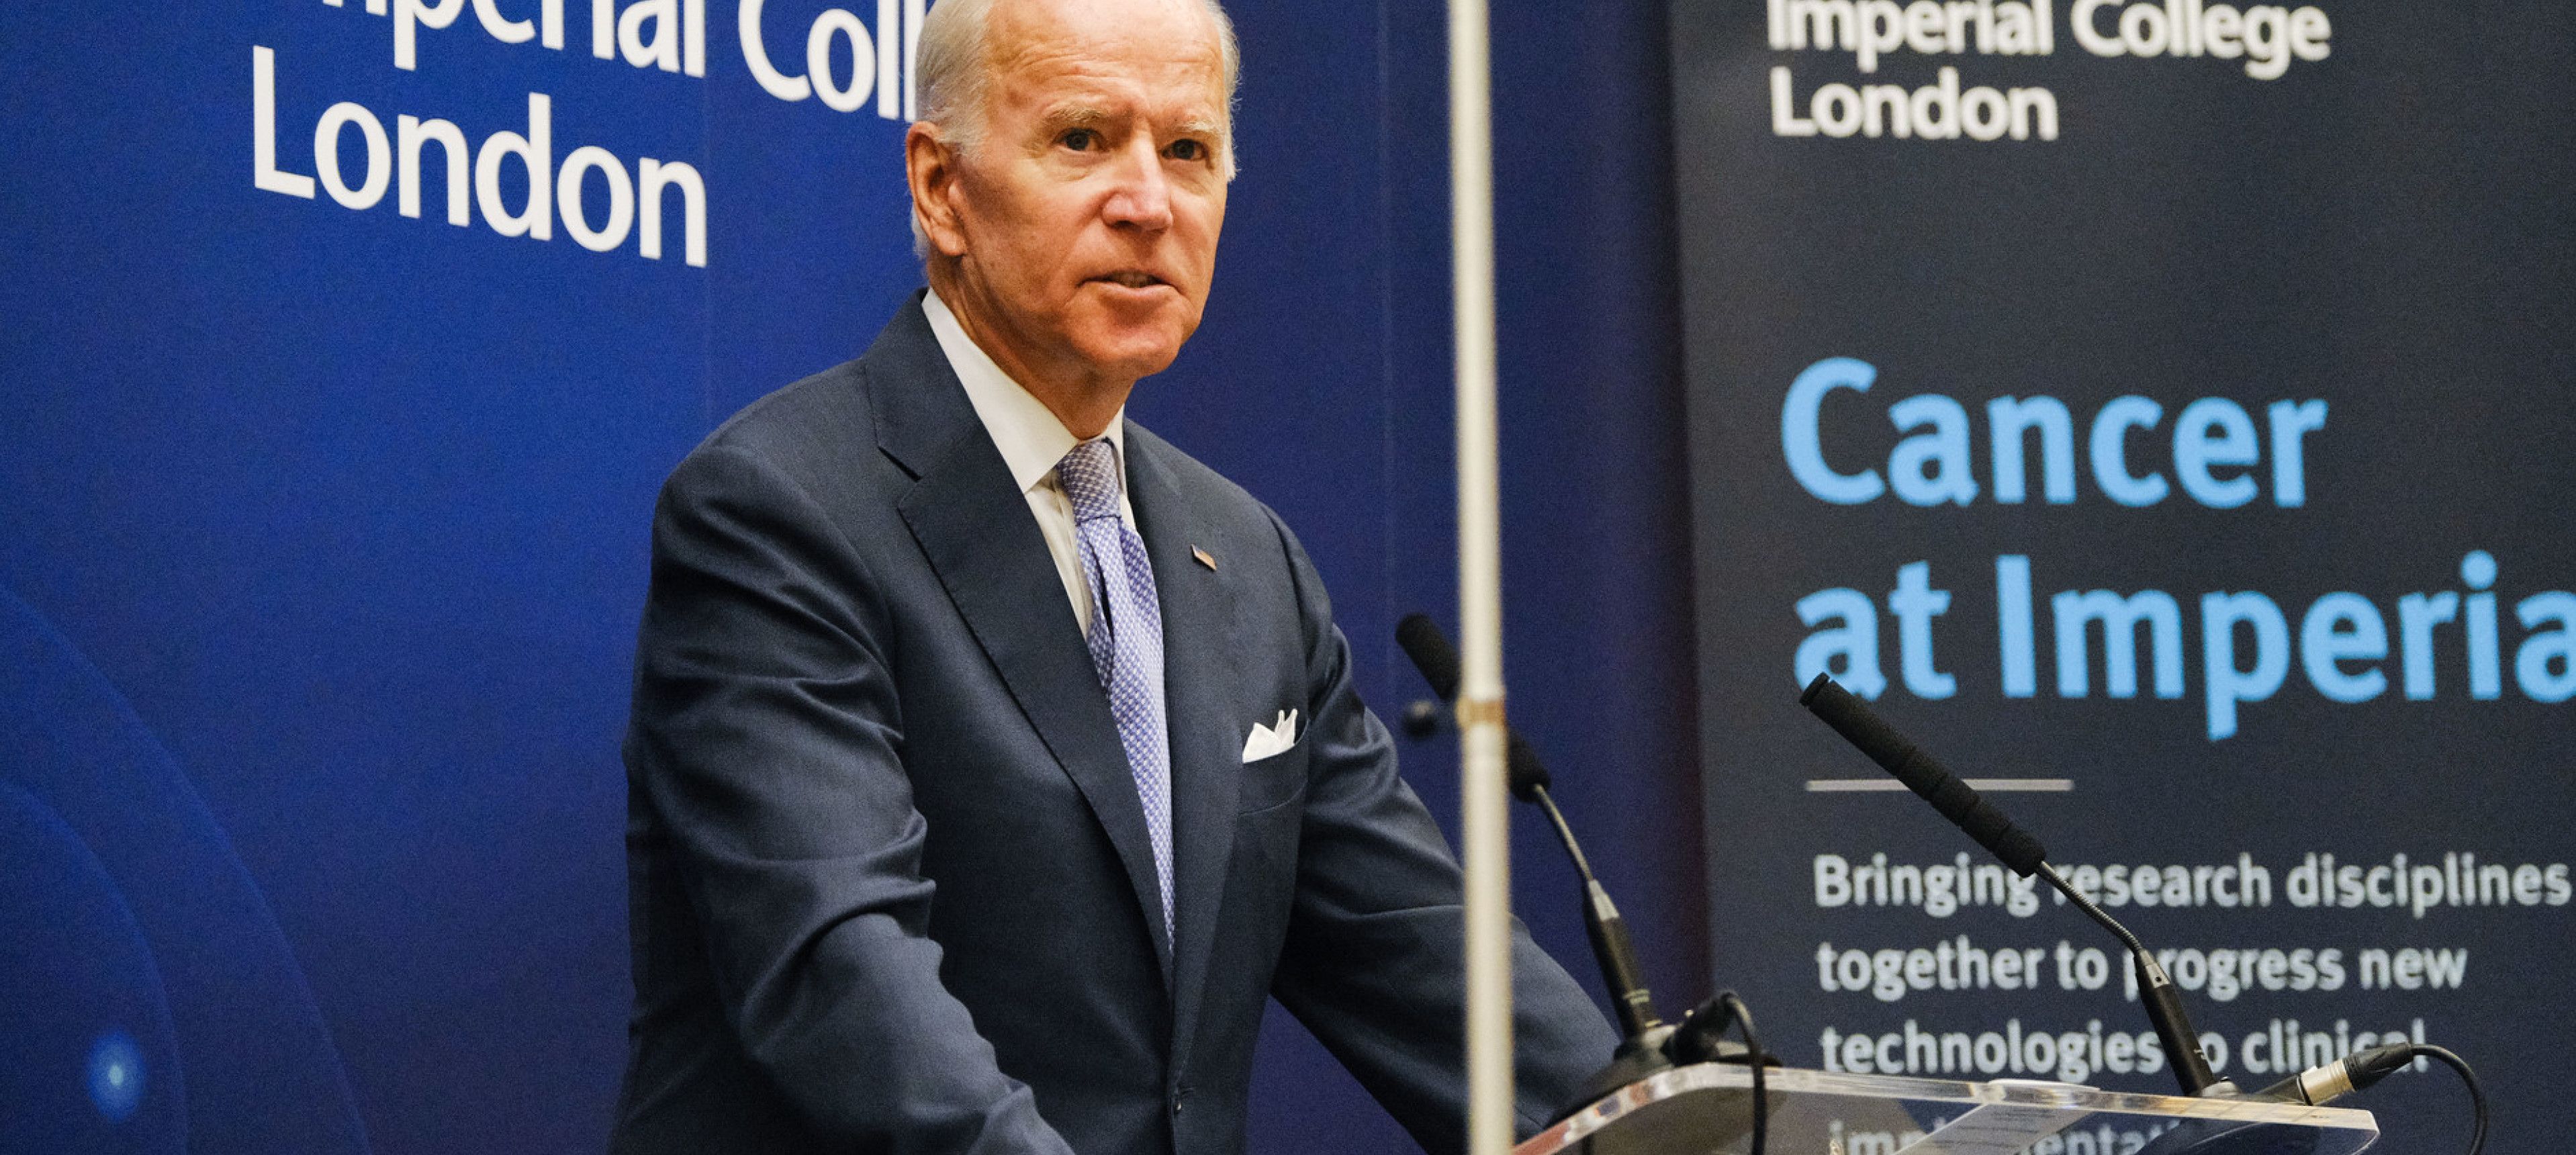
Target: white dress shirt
pixel 1032 441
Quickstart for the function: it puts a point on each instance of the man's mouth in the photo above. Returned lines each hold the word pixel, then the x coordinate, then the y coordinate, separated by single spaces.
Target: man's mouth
pixel 1131 279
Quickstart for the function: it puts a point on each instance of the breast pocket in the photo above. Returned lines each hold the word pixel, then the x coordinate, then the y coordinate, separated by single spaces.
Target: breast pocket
pixel 1271 782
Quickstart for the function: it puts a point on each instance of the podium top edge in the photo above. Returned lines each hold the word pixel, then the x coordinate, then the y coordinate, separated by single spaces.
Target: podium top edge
pixel 2072 1101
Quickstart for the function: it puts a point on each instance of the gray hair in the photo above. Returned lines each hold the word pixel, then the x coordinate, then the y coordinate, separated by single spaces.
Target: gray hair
pixel 952 72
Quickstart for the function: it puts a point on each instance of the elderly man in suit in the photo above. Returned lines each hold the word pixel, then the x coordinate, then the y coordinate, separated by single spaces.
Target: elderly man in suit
pixel 993 762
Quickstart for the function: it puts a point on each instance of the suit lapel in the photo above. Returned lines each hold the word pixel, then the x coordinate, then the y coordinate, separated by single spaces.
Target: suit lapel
pixel 974 526
pixel 1199 650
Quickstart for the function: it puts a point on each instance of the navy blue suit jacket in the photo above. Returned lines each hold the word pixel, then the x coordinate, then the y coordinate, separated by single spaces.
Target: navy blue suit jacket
pixel 890 882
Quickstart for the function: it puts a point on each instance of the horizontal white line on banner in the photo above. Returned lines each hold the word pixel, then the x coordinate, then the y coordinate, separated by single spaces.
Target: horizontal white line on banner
pixel 1997 785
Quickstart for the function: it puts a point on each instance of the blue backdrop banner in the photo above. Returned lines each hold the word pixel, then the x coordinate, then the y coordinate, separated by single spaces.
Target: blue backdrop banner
pixel 349 342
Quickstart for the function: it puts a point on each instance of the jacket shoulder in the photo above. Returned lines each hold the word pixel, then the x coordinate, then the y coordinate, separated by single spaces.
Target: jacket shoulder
pixel 1212 492
pixel 818 418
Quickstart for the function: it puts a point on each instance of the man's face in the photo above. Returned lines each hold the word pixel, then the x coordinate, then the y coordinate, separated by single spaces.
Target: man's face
pixel 1087 215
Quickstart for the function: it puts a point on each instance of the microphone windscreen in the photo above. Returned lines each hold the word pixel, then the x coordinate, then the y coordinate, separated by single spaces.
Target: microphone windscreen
pixel 1431 653
pixel 1923 774
pixel 1528 774
pixel 1861 727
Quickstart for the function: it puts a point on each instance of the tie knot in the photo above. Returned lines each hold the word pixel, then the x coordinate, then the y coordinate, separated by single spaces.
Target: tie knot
pixel 1089 475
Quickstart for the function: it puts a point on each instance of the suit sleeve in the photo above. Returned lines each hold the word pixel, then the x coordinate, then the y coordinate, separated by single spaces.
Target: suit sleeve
pixel 1375 954
pixel 766 739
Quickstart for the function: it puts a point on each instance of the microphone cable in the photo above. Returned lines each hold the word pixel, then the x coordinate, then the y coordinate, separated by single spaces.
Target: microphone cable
pixel 1759 1058
pixel 2318 1086
pixel 1697 1041
pixel 2469 1078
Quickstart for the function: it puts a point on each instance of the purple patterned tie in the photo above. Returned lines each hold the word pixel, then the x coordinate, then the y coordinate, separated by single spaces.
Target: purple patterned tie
pixel 1126 638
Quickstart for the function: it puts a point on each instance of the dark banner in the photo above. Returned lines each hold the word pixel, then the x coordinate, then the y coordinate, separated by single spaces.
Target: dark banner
pixel 2159 410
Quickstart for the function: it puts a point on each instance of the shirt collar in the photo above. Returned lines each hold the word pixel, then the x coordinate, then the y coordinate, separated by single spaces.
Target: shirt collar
pixel 1030 437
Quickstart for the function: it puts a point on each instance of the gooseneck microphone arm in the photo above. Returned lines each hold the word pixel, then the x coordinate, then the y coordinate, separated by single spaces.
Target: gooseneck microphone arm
pixel 1926 776
pixel 1433 654
pixel 1611 947
pixel 2156 990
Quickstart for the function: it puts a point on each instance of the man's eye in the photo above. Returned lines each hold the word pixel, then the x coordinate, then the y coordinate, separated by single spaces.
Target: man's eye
pixel 1188 150
pixel 1081 139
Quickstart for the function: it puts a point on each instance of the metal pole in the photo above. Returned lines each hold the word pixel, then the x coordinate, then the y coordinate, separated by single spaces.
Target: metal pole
pixel 1482 789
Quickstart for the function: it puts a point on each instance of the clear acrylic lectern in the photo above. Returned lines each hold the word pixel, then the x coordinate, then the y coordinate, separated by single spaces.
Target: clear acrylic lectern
pixel 1708 1110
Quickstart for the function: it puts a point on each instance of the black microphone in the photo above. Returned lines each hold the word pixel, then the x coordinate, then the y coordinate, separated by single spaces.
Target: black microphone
pixel 1433 654
pixel 1926 776
pixel 1923 774
pixel 1438 660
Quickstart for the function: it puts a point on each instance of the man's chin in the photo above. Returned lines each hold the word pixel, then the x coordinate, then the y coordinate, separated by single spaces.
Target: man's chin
pixel 1129 361
pixel 1129 350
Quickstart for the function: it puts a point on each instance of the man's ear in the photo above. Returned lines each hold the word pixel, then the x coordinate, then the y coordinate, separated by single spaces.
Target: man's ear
pixel 930 167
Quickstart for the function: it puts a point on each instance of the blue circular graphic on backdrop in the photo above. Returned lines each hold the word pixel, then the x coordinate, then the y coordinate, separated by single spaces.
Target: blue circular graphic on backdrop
pixel 109 864
pixel 93 1060
pixel 116 1075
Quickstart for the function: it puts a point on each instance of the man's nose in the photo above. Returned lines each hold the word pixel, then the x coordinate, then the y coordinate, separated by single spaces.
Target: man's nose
pixel 1143 196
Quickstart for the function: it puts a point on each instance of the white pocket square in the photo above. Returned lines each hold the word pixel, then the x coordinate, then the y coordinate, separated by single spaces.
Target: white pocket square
pixel 1275 738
